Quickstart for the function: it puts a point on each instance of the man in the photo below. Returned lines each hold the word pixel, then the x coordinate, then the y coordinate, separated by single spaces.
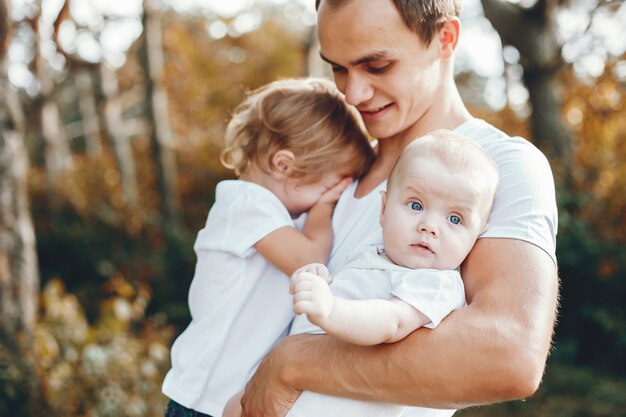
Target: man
pixel 393 60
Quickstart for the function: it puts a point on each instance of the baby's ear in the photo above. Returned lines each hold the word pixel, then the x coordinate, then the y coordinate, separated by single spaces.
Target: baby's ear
pixel 282 162
pixel 383 203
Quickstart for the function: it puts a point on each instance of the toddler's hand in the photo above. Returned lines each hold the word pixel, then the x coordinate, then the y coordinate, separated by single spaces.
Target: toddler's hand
pixel 316 269
pixel 332 195
pixel 311 296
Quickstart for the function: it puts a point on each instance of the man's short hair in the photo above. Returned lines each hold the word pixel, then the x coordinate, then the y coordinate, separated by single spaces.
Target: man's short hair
pixel 423 17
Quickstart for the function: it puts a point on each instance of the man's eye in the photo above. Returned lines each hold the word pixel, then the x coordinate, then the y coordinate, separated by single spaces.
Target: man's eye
pixel 416 206
pixel 335 68
pixel 378 69
pixel 454 219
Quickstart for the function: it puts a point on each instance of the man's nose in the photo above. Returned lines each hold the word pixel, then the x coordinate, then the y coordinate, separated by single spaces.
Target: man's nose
pixel 357 89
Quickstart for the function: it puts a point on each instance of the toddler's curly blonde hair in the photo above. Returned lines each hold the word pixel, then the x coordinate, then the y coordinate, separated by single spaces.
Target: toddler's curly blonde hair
pixel 306 116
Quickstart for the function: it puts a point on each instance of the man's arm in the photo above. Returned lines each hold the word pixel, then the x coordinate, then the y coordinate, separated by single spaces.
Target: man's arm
pixel 492 350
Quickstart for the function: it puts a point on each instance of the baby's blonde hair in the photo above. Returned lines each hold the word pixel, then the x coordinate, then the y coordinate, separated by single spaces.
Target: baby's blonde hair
pixel 306 116
pixel 456 152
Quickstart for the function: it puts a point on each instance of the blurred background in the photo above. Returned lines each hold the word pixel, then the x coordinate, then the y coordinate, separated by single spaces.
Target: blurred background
pixel 111 121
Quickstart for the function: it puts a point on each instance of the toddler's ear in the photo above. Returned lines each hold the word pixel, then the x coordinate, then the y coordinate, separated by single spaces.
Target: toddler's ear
pixel 383 203
pixel 282 162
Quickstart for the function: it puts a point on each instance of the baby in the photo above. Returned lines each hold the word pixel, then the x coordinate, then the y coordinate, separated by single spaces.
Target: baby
pixel 438 200
pixel 295 146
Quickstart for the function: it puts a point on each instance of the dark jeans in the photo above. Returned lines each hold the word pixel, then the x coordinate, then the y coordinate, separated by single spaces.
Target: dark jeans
pixel 176 410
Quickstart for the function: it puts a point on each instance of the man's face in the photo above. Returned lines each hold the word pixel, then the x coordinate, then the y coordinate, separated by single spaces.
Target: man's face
pixel 383 68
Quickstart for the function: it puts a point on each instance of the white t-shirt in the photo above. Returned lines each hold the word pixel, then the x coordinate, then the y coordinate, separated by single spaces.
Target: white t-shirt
pixel 524 206
pixel 524 209
pixel 233 291
pixel 367 276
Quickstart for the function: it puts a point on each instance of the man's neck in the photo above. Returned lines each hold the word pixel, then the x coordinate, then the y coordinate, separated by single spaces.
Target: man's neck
pixel 448 112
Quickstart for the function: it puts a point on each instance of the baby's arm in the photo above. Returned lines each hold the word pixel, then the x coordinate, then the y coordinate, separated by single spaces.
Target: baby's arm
pixel 289 249
pixel 362 322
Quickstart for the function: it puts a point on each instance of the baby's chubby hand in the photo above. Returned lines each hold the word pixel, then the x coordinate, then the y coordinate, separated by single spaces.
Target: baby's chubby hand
pixel 316 269
pixel 312 295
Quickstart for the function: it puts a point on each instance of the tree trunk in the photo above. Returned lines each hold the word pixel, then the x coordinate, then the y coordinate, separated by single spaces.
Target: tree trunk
pixel 161 137
pixel 88 111
pixel 532 33
pixel 57 152
pixel 116 133
pixel 20 390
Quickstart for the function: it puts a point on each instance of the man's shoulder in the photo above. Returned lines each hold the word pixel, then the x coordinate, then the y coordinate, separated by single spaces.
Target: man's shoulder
pixel 506 151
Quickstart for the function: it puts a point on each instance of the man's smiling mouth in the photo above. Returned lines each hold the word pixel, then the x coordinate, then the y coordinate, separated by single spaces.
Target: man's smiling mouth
pixel 376 110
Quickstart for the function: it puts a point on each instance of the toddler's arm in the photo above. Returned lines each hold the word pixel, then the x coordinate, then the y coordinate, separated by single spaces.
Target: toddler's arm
pixel 289 249
pixel 362 322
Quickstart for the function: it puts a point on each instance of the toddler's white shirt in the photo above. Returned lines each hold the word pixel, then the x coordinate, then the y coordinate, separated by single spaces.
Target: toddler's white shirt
pixel 240 304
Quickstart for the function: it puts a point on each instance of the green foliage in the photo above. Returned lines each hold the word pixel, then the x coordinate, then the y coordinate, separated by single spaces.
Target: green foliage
pixel 592 238
pixel 566 391
pixel 18 380
pixel 592 325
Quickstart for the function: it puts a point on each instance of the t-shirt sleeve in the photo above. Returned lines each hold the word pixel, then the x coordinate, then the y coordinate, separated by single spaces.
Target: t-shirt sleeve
pixel 434 293
pixel 236 223
pixel 525 204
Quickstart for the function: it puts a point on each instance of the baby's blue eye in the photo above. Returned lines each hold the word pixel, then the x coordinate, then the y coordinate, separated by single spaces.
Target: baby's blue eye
pixel 454 219
pixel 416 206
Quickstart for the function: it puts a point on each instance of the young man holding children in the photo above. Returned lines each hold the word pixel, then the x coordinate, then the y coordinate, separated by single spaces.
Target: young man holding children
pixel 393 60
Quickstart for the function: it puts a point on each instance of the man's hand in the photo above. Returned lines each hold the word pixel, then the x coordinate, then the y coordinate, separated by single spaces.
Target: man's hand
pixel 266 394
pixel 312 296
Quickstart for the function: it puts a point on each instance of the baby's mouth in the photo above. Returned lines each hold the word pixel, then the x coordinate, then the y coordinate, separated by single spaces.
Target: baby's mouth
pixel 423 246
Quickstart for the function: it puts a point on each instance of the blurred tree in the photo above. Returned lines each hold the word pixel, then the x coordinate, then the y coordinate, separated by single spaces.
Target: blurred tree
pixel 532 31
pixel 19 279
pixel 161 136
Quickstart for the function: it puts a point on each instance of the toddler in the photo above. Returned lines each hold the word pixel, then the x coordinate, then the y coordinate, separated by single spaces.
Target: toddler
pixel 438 200
pixel 294 145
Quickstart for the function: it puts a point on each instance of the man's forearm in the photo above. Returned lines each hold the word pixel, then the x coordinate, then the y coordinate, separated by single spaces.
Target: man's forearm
pixel 493 350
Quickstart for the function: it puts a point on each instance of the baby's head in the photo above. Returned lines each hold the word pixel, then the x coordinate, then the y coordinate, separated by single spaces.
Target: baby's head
pixel 438 200
pixel 299 130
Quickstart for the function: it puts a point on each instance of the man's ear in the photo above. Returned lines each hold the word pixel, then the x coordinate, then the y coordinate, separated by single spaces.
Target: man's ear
pixel 282 162
pixel 383 204
pixel 449 36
